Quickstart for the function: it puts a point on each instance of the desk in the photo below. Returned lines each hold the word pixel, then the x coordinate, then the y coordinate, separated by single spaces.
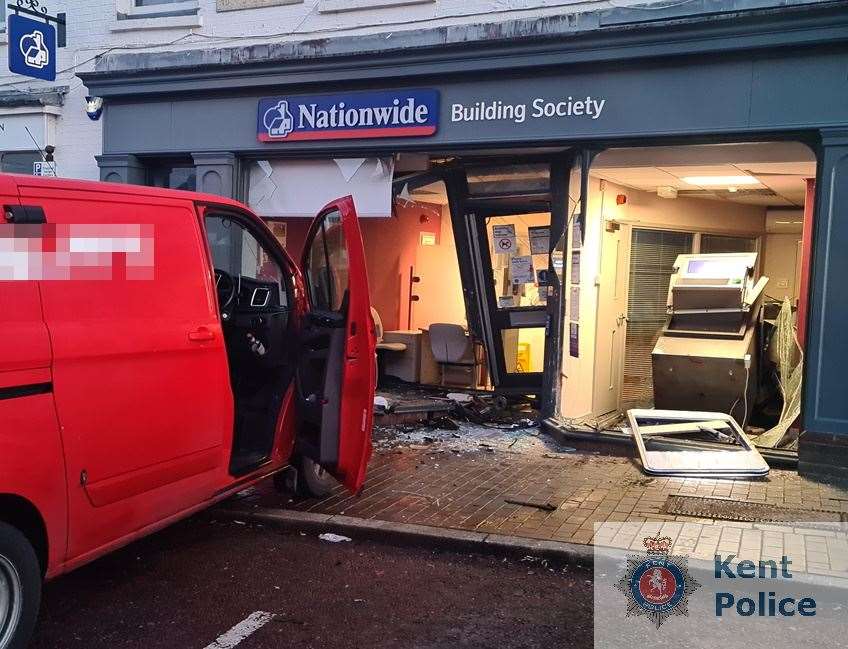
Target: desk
pixel 404 365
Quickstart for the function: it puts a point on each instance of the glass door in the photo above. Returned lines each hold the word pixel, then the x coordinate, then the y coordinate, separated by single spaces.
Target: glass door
pixel 502 214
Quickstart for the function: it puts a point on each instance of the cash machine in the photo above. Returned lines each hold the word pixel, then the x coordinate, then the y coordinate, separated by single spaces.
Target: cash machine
pixel 707 355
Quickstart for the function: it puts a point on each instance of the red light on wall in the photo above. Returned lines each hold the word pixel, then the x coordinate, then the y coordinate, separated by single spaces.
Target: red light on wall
pixel 620 199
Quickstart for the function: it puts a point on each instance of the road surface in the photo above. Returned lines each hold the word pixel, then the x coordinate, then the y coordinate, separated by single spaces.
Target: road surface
pixel 205 581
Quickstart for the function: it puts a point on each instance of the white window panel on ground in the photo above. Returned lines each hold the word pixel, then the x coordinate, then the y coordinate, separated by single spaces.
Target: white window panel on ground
pixel 696 444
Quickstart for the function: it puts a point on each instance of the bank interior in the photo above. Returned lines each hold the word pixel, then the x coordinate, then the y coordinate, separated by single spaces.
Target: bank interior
pixel 639 331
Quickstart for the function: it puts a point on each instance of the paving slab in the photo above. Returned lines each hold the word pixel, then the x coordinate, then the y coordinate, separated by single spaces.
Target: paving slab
pixel 456 484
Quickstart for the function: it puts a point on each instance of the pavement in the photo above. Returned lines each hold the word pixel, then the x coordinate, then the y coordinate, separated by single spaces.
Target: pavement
pixel 513 484
pixel 207 583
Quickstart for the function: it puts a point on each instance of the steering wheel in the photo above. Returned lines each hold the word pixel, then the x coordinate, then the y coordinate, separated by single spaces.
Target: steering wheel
pixel 226 288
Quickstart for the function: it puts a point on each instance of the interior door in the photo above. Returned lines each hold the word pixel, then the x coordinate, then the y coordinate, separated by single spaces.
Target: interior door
pixel 501 210
pixel 612 316
pixel 513 298
pixel 336 374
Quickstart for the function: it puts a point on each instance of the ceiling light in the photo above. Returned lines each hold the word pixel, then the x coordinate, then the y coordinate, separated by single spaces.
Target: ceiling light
pixel 720 181
pixel 732 190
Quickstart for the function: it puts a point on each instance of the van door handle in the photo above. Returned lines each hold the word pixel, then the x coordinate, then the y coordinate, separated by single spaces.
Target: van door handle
pixel 201 334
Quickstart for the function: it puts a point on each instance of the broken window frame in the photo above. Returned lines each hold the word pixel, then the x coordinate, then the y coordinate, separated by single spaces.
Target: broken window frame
pixel 750 463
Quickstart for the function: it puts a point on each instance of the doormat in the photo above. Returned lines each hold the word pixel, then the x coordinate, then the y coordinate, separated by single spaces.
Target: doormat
pixel 732 510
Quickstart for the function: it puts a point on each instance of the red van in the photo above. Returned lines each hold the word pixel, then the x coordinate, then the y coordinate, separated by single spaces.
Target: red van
pixel 159 351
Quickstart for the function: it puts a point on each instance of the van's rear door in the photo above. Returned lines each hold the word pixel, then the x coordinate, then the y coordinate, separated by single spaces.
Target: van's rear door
pixel 336 373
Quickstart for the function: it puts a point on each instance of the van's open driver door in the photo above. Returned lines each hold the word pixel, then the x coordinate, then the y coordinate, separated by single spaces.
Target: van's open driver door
pixel 336 374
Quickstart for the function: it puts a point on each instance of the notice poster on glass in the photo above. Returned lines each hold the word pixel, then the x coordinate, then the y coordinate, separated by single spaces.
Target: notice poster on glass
pixel 280 230
pixel 521 270
pixel 574 303
pixel 574 339
pixel 503 239
pixel 540 240
pixel 576 234
pixel 575 266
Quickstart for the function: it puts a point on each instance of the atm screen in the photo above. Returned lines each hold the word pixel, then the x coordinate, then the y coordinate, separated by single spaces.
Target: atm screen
pixel 717 268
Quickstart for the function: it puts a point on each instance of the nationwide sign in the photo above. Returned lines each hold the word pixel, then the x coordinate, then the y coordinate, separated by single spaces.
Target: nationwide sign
pixel 32 48
pixel 399 113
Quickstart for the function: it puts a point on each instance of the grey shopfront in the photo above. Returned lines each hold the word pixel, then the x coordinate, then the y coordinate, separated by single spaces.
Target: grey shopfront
pixel 709 72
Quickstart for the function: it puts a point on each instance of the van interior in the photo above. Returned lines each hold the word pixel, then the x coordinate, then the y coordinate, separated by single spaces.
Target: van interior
pixel 254 297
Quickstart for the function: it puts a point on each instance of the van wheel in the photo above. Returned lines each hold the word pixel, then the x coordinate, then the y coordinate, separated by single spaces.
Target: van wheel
pixel 313 480
pixel 20 588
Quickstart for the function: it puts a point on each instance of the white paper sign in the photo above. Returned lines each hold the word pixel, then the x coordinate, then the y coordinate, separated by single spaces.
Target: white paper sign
pixel 521 270
pixel 503 237
pixel 576 234
pixel 575 266
pixel 574 303
pixel 540 240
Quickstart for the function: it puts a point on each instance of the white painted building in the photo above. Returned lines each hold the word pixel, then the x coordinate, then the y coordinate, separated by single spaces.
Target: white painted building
pixel 54 113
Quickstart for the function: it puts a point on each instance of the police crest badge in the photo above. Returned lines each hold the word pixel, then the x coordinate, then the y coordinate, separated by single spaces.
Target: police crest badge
pixel 657 584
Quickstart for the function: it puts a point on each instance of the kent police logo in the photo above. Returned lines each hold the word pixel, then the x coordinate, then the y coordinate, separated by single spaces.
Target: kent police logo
pixel 657 585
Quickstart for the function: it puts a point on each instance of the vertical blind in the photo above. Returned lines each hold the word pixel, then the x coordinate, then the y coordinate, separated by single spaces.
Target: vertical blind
pixel 652 257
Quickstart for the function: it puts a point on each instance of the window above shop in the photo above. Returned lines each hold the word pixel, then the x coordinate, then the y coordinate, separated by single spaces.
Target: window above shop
pixel 237 5
pixel 338 6
pixel 156 14
pixel 19 162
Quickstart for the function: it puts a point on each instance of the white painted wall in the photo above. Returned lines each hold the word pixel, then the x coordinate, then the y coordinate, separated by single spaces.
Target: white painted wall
pixel 781 260
pixel 93 29
pixel 578 373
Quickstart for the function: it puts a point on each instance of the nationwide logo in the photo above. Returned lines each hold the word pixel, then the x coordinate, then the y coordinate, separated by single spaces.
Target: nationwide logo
pixel 406 113
pixel 657 585
pixel 278 120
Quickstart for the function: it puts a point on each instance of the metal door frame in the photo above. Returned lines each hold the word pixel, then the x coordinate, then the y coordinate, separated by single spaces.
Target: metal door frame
pixel 485 319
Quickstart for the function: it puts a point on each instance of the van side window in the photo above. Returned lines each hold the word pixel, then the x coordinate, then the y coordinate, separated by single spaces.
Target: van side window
pixel 328 265
pixel 240 254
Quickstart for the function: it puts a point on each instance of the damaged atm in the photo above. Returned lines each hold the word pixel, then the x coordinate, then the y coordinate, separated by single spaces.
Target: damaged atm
pixel 708 353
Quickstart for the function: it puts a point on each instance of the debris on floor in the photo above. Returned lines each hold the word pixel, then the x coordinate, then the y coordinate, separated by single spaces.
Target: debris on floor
pixel 544 505
pixel 333 538
pixel 564 451
pixel 459 422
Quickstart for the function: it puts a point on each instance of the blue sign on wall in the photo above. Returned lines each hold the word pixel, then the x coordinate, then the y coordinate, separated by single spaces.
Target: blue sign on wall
pixel 398 113
pixel 32 48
